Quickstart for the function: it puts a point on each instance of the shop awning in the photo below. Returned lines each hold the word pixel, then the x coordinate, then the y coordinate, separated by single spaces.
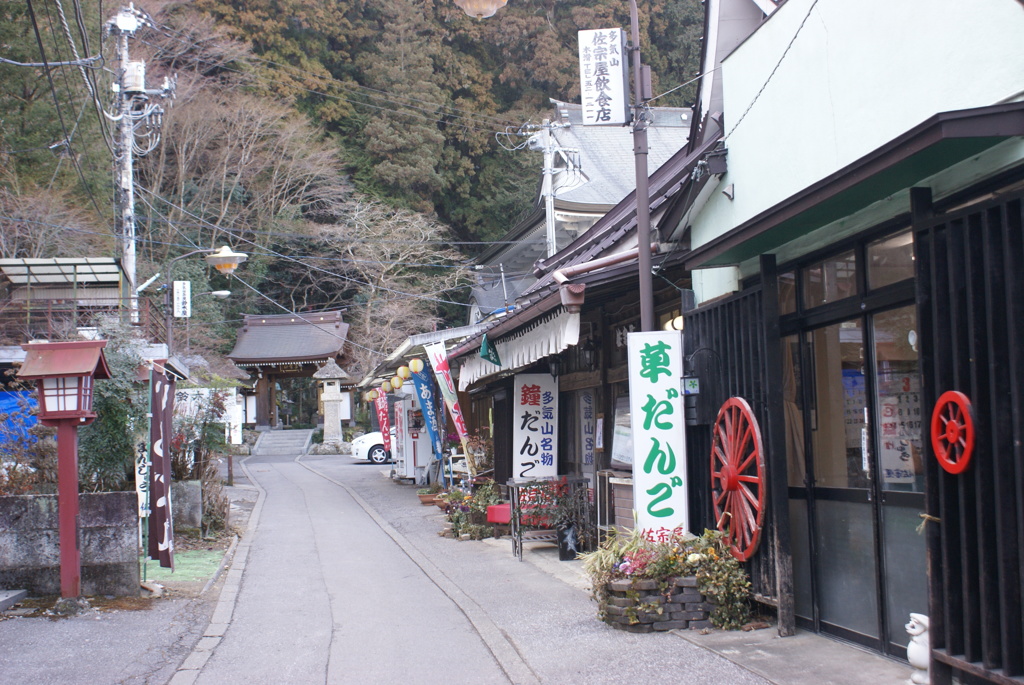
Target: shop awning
pixel 545 336
pixel 940 142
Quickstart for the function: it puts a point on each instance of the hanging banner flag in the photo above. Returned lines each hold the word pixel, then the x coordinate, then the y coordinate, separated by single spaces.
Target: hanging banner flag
pixel 489 352
pixel 161 520
pixel 603 77
pixel 442 372
pixel 381 405
pixel 535 426
pixel 425 393
pixel 659 445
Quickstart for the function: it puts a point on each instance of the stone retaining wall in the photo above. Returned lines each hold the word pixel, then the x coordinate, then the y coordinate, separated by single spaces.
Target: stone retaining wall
pixel 643 606
pixel 108 534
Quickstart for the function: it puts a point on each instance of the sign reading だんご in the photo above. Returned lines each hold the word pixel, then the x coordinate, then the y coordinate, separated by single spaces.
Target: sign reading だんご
pixel 603 77
pixel 659 444
pixel 535 423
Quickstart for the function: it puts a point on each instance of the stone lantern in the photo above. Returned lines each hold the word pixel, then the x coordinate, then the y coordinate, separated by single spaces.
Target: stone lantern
pixel 335 398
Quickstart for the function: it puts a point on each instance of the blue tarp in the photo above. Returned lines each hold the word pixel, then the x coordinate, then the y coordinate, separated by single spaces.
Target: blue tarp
pixel 16 417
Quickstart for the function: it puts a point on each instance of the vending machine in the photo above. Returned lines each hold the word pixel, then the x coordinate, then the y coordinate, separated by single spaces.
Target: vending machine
pixel 412 451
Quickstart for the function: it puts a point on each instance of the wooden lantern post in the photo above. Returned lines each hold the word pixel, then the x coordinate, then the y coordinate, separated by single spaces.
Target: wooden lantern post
pixel 65 372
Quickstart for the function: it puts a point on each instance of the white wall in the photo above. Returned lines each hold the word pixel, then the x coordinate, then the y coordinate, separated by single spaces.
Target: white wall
pixel 858 75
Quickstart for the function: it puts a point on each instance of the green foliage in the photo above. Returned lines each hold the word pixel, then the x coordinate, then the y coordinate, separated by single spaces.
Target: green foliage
pixel 107 447
pixel 720 578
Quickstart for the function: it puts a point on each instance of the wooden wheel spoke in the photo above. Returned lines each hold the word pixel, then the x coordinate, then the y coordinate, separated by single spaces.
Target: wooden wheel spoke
pixel 737 465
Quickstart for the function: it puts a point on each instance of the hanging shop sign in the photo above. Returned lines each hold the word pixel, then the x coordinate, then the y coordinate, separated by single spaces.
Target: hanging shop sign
pixel 588 426
pixel 182 295
pixel 428 405
pixel 535 426
pixel 603 77
pixel 657 418
pixel 381 405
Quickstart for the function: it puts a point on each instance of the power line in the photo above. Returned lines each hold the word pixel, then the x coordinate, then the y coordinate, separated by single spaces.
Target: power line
pixel 56 104
pixel 774 69
pixel 279 255
pixel 274 302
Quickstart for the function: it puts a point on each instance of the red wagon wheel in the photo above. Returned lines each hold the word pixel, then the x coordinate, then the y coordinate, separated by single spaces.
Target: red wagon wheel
pixel 737 477
pixel 953 431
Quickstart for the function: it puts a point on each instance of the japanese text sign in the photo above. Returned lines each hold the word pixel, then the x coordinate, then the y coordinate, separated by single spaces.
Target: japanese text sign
pixel 535 426
pixel 425 394
pixel 381 405
pixel 182 295
pixel 659 443
pixel 603 77
pixel 442 372
pixel 588 425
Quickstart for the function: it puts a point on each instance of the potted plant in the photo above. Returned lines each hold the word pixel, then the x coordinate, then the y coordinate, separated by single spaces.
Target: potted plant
pixel 427 495
pixel 645 583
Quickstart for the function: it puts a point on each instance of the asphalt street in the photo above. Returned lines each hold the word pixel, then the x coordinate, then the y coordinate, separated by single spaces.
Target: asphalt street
pixel 340 576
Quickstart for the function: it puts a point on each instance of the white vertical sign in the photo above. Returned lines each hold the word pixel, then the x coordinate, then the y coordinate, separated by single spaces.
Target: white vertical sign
pixel 182 299
pixel 659 441
pixel 588 426
pixel 535 426
pixel 603 77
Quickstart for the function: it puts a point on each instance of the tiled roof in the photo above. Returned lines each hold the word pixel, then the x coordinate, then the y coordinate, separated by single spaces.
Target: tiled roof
pixel 289 338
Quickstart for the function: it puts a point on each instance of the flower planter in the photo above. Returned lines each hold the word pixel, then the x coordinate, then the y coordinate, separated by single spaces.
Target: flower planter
pixel 426 500
pixel 645 606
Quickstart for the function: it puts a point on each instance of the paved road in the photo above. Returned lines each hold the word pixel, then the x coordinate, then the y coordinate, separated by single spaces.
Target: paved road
pixel 346 581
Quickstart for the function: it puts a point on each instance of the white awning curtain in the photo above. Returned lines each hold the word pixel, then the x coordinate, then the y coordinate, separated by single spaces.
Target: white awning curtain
pixel 549 335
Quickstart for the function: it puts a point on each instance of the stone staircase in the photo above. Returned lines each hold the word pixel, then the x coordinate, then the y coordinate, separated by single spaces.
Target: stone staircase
pixel 283 442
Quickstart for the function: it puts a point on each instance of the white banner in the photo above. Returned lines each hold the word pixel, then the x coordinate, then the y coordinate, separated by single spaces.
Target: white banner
pixel 658 423
pixel 182 299
pixel 603 77
pixel 535 426
pixel 588 426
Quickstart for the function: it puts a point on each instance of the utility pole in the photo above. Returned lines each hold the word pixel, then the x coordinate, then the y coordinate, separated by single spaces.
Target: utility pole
pixel 549 188
pixel 139 123
pixel 545 142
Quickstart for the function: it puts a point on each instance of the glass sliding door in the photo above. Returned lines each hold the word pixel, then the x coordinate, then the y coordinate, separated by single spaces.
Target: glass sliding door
pixel 843 533
pixel 900 435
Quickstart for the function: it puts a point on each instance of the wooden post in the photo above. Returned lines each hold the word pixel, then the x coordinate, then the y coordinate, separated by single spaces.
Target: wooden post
pixel 67 508
pixel 778 476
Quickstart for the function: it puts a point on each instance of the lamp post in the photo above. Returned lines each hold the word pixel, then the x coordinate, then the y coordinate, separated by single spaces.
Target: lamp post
pixel 65 372
pixel 223 260
pixel 641 77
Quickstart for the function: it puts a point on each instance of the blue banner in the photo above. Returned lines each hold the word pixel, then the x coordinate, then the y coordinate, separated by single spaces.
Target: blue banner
pixel 425 392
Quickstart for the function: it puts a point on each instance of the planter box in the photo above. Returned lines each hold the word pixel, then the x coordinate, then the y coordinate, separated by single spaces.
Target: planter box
pixel 646 606
pixel 426 500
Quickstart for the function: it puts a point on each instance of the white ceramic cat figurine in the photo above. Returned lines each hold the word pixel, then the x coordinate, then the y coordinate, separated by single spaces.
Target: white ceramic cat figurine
pixel 919 648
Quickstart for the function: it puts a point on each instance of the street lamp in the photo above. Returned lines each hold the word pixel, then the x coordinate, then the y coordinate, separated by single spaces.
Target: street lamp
pixel 223 260
pixel 481 9
pixel 641 77
pixel 65 372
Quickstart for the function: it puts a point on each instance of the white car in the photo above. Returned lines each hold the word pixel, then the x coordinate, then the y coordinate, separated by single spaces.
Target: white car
pixel 370 446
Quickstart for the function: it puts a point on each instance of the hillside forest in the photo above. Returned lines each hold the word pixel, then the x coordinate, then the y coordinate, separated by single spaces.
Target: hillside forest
pixel 360 152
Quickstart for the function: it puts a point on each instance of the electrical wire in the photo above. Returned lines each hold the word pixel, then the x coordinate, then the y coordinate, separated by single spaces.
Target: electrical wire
pixel 326 330
pixel 56 103
pixel 774 69
pixel 274 253
pixel 683 85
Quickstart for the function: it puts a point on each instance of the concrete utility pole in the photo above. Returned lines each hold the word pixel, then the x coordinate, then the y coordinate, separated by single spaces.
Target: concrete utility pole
pixel 549 188
pixel 139 125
